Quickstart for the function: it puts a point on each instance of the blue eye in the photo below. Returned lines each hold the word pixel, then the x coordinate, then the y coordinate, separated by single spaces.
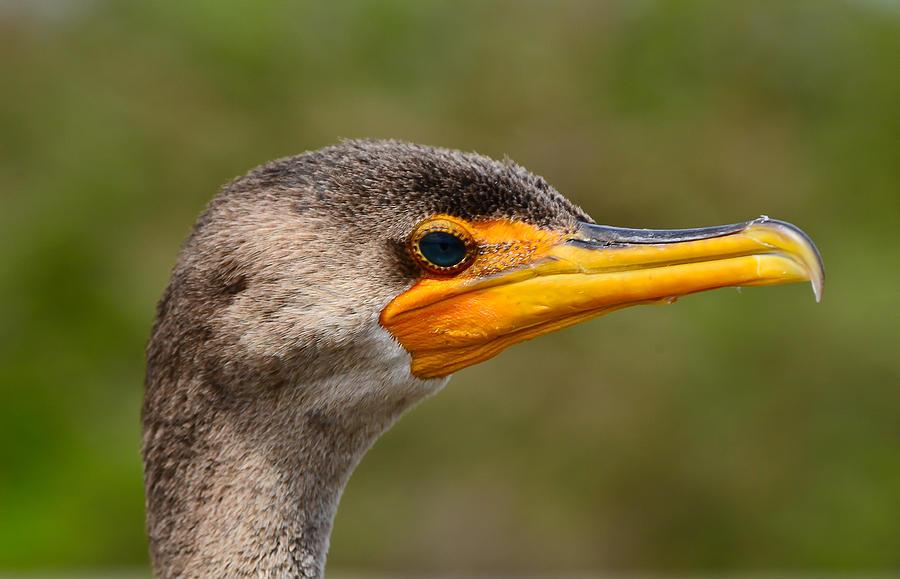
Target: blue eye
pixel 443 246
pixel 442 249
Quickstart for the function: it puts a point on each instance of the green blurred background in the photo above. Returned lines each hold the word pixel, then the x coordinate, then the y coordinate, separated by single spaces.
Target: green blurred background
pixel 734 431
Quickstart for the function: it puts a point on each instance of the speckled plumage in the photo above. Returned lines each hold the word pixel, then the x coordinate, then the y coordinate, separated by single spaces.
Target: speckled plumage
pixel 268 374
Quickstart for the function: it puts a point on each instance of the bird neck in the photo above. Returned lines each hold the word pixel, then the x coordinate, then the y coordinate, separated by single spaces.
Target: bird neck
pixel 250 487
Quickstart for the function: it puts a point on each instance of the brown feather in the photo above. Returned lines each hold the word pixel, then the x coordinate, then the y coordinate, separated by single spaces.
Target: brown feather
pixel 268 376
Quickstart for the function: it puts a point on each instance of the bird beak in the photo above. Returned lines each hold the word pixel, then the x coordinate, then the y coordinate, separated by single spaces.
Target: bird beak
pixel 446 326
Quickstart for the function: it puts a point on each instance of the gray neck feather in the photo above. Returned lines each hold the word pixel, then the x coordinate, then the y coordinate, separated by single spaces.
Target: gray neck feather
pixel 245 479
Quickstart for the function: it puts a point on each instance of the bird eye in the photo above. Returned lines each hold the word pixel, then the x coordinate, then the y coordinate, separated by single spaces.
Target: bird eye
pixel 443 246
pixel 442 249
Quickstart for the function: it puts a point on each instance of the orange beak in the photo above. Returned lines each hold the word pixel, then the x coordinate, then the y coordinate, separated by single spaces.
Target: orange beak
pixel 448 324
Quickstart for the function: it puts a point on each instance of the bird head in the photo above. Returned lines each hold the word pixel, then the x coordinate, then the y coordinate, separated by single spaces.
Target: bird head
pixel 405 263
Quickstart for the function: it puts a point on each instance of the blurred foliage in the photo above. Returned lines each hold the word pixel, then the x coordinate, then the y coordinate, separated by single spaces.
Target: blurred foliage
pixel 733 431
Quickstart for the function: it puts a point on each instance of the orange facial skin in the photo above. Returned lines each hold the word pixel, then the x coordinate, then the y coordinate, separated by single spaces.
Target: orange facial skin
pixel 502 245
pixel 526 281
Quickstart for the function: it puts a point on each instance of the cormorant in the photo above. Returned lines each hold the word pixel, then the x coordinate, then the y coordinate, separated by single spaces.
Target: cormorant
pixel 320 296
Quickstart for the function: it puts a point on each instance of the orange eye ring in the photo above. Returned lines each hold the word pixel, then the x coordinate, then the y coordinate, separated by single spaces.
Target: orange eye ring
pixel 443 246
